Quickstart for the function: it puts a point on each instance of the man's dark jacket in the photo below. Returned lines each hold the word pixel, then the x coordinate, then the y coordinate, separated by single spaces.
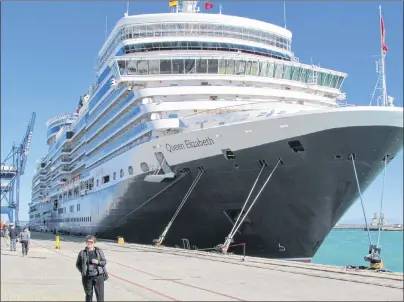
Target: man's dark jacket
pixel 82 262
pixel 13 233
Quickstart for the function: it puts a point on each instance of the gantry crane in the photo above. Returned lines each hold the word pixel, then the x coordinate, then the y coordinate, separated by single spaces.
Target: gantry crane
pixel 12 168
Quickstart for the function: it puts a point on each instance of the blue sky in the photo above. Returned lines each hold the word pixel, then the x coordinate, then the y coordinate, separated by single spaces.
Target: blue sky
pixel 48 51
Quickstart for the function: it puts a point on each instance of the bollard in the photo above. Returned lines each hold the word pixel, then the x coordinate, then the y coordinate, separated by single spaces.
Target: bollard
pixel 121 240
pixel 57 242
pixel 377 266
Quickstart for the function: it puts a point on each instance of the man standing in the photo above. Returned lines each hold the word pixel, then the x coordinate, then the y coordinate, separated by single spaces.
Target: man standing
pixel 13 237
pixel 91 264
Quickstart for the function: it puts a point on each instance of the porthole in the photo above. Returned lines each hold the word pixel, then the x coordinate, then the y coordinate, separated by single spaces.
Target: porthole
pixel 145 167
pixel 114 175
pixel 98 182
pixel 121 173
pixel 130 170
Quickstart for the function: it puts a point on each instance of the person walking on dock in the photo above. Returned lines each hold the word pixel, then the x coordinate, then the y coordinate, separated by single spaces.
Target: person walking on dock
pixel 6 237
pixel 25 238
pixel 13 237
pixel 91 263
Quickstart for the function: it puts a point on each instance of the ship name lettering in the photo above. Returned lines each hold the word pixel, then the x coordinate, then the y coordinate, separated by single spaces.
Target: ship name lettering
pixel 188 144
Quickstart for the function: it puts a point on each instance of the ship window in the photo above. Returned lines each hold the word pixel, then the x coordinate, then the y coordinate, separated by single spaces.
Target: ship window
pixel 154 66
pixel 130 170
pixel 213 65
pixel 178 66
pixel 143 67
pixel 189 65
pixel 114 175
pixel 105 179
pixel 165 67
pixel 132 66
pixel 98 182
pixel 230 67
pixel 201 66
pixel 296 146
pixel 121 173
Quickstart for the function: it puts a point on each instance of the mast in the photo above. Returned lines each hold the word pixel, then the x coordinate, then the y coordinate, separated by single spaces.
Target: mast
pixel 383 50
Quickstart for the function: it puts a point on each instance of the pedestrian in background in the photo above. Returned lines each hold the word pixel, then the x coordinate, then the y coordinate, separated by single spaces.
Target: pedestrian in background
pixel 13 237
pixel 91 263
pixel 25 238
pixel 6 238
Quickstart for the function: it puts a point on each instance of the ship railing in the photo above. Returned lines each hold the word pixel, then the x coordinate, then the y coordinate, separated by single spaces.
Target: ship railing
pixel 258 105
pixel 80 151
pixel 190 29
pixel 128 118
pixel 106 103
pixel 124 138
pixel 111 115
pixel 345 104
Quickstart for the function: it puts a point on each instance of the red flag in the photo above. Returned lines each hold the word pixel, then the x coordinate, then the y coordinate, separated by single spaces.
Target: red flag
pixel 208 5
pixel 384 46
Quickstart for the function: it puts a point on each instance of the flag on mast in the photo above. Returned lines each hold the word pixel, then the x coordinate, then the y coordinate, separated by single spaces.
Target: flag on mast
pixel 384 46
pixel 173 3
pixel 208 5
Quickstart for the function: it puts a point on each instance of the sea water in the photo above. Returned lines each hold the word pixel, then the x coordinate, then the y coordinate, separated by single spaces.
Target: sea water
pixel 348 247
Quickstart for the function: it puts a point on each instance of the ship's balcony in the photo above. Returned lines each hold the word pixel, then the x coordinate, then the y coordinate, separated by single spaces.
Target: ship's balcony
pixel 80 152
pixel 127 119
pixel 77 145
pixel 80 164
pixel 134 136
pixel 38 177
pixel 61 171
pixel 37 186
pixel 131 135
pixel 106 104
pixel 79 124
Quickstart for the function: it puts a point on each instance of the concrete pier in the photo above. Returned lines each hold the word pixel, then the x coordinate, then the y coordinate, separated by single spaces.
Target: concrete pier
pixel 140 273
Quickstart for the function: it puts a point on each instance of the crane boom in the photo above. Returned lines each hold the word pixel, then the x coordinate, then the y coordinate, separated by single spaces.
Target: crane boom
pixel 26 143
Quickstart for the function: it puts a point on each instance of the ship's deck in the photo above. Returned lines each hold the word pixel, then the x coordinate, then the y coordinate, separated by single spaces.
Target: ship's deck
pixel 140 273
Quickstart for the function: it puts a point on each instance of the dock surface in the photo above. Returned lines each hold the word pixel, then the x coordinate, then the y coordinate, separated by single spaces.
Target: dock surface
pixel 147 273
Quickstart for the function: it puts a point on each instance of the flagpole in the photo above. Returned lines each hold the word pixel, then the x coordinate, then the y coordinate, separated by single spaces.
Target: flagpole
pixel 284 13
pixel 127 9
pixel 383 54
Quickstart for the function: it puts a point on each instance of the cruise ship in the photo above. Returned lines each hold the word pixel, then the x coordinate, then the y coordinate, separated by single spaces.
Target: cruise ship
pixel 203 126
